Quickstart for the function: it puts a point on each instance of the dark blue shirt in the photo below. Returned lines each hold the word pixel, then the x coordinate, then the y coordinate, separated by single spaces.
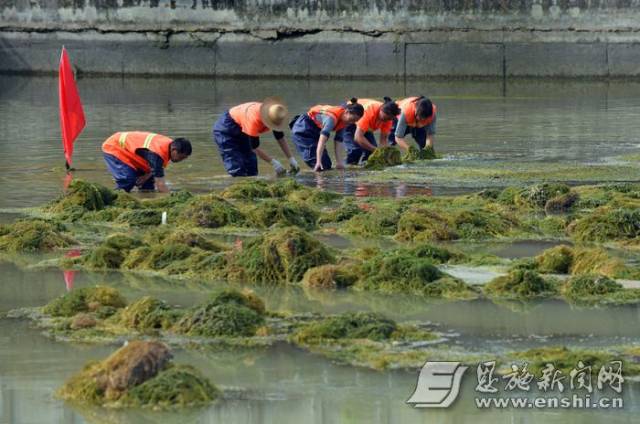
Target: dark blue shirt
pixel 155 162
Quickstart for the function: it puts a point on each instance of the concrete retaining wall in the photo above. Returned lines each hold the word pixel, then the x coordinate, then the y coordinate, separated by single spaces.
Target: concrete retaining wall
pixel 330 38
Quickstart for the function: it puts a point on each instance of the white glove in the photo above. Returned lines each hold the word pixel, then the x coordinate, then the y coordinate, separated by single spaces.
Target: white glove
pixel 294 168
pixel 277 166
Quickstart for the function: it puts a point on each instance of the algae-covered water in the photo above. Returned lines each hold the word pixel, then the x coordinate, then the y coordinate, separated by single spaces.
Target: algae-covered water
pixel 490 134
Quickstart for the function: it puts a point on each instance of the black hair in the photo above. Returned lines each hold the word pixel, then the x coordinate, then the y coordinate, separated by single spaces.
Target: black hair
pixel 389 107
pixel 354 107
pixel 182 146
pixel 424 107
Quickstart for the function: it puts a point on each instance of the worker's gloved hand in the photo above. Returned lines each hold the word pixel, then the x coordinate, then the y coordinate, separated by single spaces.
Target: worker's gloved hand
pixel 294 168
pixel 277 166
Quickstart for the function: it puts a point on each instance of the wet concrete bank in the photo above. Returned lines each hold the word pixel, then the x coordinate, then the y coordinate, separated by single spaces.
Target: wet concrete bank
pixel 485 38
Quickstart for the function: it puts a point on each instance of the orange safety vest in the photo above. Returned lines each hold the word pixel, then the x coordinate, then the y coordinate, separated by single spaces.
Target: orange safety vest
pixel 370 121
pixel 334 111
pixel 247 116
pixel 123 145
pixel 408 108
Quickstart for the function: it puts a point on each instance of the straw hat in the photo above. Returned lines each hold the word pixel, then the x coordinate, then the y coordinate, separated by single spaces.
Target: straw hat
pixel 273 113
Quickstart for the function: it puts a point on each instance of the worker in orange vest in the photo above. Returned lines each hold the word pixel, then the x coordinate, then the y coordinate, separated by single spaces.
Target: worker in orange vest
pixel 237 134
pixel 418 118
pixel 310 132
pixel 359 140
pixel 138 159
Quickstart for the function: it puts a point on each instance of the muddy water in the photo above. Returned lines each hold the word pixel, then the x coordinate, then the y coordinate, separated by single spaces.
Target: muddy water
pixel 483 123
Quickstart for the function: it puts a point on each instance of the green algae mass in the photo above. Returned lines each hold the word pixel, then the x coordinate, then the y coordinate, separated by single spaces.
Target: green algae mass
pixel 140 374
pixel 347 209
pixel 173 200
pixel 413 154
pixel 537 196
pixel 83 196
pixel 557 260
pixel 351 325
pixel 251 189
pixel 279 256
pixel 148 313
pixel 33 236
pixel 210 211
pixel 331 276
pixel 561 358
pixel 226 314
pixel 277 212
pixel 177 386
pixel 84 299
pixel 383 157
pixel 186 236
pixel 140 217
pixel 592 289
pixel 521 284
pixel 375 220
pixel 606 223
pixel 313 196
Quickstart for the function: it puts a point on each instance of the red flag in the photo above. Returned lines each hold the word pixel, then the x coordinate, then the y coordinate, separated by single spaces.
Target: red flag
pixel 71 113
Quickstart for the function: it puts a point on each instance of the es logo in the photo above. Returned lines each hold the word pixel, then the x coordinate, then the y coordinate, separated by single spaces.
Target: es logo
pixel 438 385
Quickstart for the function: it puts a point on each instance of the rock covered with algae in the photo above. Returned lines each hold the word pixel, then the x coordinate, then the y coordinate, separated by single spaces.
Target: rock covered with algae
pixel 521 284
pixel 33 236
pixel 140 374
pixel 383 157
pixel 84 299
pixel 229 313
pixel 279 256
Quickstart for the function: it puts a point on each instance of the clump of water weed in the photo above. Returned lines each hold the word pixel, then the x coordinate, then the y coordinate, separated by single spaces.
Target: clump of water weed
pixel 593 289
pixel 348 209
pixel 562 203
pixel 279 256
pixel 84 299
pixel 157 257
pixel 538 195
pixel 424 224
pixel 148 313
pixel 331 277
pixel 82 196
pixel 406 271
pixel 172 201
pixel 414 154
pixel 188 237
pixel 140 217
pixel 228 313
pixel 210 211
pixel 277 212
pixel 383 157
pixel 251 189
pixel 605 223
pixel 377 220
pixel 521 284
pixel 139 374
pixel 313 196
pixel 561 358
pixel 597 261
pixel 557 260
pixel 33 236
pixel 350 325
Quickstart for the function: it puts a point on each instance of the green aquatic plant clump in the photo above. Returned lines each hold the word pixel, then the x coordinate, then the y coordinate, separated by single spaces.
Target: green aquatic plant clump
pixel 347 209
pixel 84 299
pixel 521 284
pixel 210 211
pixel 313 196
pixel 279 256
pixel 277 212
pixel 538 195
pixel 375 220
pixel 414 154
pixel 251 189
pixel 589 285
pixel 81 195
pixel 424 224
pixel 605 224
pixel 331 277
pixel 148 313
pixel 174 200
pixel 177 386
pixel 157 257
pixel 383 157
pixel 185 236
pixel 350 325
pixel 561 358
pixel 557 260
pixel 33 236
pixel 140 217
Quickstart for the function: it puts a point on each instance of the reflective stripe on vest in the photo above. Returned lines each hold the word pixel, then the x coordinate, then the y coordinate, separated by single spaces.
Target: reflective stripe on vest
pixel 123 139
pixel 147 141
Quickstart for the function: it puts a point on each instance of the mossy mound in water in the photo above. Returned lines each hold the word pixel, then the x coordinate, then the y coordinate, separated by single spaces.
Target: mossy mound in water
pixel 606 224
pixel 177 386
pixel 251 189
pixel 148 313
pixel 347 210
pixel 272 212
pixel 157 257
pixel 331 277
pixel 140 217
pixel 279 256
pixel 598 261
pixel 352 325
pixel 557 260
pixel 188 237
pixel 538 195
pixel 229 313
pixel 85 196
pixel 376 220
pixel 122 241
pixel 383 157
pixel 173 200
pixel 103 257
pixel 520 284
pixel 409 272
pixel 313 196
pixel 84 299
pixel 589 285
pixel 139 374
pixel 562 203
pixel 210 211
pixel 423 224
pixel 413 154
pixel 33 236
